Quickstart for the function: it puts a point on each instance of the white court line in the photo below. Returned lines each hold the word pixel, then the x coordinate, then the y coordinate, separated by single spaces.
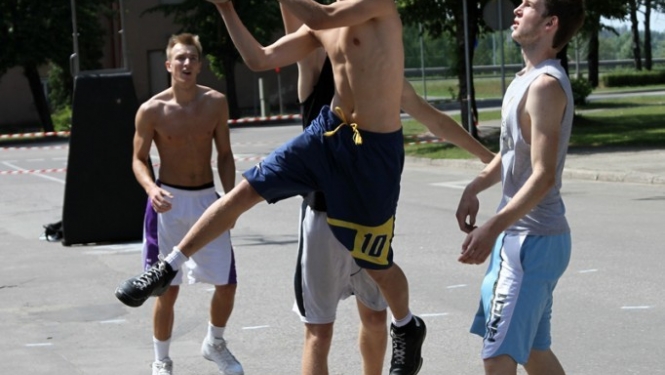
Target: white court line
pixel 35 160
pixel 113 321
pixel 589 270
pixel 455 286
pixel 460 185
pixel 115 249
pixel 39 344
pixel 10 165
pixel 256 327
pixel 644 307
pixel 432 315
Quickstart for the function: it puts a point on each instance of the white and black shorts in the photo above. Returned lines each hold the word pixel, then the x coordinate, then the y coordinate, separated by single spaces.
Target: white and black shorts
pixel 327 273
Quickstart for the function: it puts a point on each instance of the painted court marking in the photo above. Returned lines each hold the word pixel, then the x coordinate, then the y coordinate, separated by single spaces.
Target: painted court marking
pixel 460 185
pixel 643 307
pixel 432 315
pixel 256 327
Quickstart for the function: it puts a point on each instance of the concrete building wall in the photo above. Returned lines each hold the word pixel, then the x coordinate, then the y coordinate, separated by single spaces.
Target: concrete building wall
pixel 146 37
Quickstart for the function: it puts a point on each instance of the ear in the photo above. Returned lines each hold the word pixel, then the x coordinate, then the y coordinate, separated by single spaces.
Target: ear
pixel 554 21
pixel 167 64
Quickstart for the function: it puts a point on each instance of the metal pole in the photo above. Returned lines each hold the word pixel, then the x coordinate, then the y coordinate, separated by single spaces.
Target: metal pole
pixel 503 68
pixel 74 66
pixel 468 68
pixel 123 37
pixel 262 100
pixel 279 91
pixel 422 60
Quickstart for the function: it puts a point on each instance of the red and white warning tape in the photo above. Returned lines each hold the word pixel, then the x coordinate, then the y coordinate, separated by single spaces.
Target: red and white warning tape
pixel 263 119
pixel 33 171
pixel 34 148
pixel 33 135
pixel 243 120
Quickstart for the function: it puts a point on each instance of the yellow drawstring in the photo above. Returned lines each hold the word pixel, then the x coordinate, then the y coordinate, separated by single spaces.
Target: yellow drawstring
pixel 357 139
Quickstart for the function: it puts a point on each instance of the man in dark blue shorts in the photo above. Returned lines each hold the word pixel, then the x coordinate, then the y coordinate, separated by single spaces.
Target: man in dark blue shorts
pixel 352 152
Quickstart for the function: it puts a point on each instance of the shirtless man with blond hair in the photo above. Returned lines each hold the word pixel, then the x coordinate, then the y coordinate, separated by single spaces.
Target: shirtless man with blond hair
pixel 184 121
pixel 353 152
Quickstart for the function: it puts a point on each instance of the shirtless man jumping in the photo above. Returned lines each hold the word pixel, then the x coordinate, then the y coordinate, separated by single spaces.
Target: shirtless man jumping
pixel 353 152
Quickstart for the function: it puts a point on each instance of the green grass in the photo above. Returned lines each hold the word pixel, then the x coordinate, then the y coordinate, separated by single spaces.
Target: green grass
pixel 637 122
pixel 448 88
pixel 628 122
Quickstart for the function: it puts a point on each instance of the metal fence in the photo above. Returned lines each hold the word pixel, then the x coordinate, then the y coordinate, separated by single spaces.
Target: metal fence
pixel 495 70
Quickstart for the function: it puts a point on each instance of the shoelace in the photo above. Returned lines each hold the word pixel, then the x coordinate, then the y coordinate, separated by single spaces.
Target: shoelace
pixel 224 353
pixel 168 366
pixel 150 276
pixel 399 348
pixel 357 138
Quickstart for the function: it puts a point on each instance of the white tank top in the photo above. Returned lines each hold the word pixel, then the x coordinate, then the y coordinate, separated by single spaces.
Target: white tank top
pixel 548 217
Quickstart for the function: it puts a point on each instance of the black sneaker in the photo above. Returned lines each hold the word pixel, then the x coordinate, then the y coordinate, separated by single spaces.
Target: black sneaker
pixel 152 283
pixel 407 341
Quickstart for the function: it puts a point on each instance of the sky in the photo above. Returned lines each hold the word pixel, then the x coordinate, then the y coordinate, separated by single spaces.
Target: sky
pixel 657 22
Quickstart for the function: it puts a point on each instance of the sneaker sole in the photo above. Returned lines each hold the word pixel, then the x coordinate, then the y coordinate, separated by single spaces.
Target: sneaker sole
pixel 127 300
pixel 420 346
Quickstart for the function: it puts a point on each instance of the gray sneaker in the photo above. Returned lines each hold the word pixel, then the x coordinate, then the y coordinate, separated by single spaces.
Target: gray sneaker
pixel 220 354
pixel 163 367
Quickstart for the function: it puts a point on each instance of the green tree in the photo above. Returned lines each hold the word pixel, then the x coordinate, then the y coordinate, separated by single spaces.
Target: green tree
pixel 595 9
pixel 33 33
pixel 446 18
pixel 262 19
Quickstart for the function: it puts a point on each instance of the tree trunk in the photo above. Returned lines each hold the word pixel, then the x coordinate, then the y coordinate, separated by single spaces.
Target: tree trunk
pixel 648 61
pixel 461 66
pixel 634 23
pixel 563 57
pixel 592 58
pixel 32 74
pixel 232 97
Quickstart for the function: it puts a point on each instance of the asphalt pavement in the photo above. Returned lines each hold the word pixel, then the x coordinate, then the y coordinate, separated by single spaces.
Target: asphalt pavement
pixel 58 314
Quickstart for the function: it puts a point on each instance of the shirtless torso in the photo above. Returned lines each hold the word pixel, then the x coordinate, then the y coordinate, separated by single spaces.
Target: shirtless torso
pixel 364 42
pixel 363 56
pixel 183 134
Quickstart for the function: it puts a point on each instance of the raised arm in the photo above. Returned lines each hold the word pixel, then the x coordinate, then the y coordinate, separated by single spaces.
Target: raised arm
pixel 309 68
pixel 338 14
pixel 440 124
pixel 285 51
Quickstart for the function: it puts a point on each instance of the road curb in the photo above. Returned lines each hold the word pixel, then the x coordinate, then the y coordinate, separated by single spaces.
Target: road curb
pixel 568 173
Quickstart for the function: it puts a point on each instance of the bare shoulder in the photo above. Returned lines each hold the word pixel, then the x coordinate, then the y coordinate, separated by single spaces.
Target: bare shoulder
pixel 155 105
pixel 546 86
pixel 210 94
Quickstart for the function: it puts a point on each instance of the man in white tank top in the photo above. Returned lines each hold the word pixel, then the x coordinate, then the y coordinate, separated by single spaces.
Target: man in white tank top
pixel 528 238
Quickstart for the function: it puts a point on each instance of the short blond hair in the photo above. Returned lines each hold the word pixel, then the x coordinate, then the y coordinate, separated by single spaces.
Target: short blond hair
pixel 186 39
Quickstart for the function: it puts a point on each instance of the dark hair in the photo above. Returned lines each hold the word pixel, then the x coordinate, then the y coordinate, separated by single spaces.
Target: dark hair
pixel 571 18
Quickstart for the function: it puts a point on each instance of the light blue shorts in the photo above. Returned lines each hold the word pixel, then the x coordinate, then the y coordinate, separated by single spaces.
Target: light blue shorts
pixel 516 295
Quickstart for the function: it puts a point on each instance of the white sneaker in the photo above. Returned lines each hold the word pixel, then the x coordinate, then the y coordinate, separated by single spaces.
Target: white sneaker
pixel 164 367
pixel 220 354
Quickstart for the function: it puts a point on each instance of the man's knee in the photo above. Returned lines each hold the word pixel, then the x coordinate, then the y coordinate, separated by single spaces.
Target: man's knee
pixel 169 297
pixel 226 291
pixel 373 320
pixel 500 365
pixel 319 333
